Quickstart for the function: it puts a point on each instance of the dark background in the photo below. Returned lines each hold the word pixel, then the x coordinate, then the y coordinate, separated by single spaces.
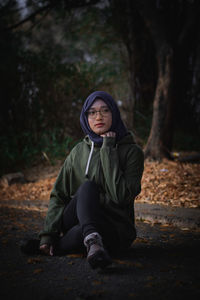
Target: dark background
pixel 53 54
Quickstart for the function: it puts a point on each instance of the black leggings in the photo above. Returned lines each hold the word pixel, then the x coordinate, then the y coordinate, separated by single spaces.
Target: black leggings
pixel 82 216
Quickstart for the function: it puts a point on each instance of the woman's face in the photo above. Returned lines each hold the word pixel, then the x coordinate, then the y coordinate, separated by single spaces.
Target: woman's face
pixel 99 117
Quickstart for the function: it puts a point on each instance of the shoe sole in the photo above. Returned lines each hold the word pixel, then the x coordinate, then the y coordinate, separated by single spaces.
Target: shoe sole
pixel 99 260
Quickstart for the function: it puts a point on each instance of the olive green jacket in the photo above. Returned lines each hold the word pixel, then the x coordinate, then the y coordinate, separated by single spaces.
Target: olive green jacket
pixel 116 167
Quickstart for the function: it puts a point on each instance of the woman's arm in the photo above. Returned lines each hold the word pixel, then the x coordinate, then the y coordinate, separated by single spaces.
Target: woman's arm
pixel 58 199
pixel 122 185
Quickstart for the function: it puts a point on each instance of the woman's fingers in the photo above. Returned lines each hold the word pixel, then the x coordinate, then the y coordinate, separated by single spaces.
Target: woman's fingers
pixel 51 250
pixel 47 249
pixel 109 134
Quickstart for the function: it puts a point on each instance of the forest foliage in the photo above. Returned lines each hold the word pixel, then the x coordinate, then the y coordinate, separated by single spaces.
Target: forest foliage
pixel 67 49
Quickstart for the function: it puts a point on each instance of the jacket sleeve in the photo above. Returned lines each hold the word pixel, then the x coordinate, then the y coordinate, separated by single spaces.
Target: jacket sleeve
pixel 121 185
pixel 59 197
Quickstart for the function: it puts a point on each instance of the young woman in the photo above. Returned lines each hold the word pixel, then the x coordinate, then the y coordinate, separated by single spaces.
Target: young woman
pixel 92 202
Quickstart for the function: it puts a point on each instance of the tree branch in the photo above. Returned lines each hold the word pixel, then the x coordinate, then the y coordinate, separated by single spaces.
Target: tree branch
pixel 68 4
pixel 30 17
pixel 153 21
pixel 40 20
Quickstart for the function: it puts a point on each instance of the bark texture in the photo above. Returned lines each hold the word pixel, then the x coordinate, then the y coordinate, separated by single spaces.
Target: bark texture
pixel 160 139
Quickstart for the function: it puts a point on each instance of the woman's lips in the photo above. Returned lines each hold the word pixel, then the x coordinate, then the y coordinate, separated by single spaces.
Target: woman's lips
pixel 99 125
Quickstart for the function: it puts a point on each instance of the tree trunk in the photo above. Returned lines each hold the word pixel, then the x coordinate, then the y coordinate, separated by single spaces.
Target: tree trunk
pixel 160 139
pixel 128 22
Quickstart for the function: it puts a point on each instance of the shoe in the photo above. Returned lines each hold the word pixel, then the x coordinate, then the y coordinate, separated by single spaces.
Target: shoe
pixel 97 256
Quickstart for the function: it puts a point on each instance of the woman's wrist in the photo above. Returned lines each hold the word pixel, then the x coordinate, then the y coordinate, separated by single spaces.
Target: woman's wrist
pixel 46 239
pixel 109 141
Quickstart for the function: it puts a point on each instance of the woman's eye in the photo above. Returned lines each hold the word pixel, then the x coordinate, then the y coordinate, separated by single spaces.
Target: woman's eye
pixel 105 110
pixel 91 113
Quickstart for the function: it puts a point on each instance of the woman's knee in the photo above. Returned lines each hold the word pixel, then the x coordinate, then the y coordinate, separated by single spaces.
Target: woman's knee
pixel 89 187
pixel 88 196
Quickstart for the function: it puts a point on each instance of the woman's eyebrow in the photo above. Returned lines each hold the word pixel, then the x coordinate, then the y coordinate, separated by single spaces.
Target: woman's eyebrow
pixel 103 106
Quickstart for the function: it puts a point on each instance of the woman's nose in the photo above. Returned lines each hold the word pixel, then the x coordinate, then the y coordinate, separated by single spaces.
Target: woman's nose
pixel 98 115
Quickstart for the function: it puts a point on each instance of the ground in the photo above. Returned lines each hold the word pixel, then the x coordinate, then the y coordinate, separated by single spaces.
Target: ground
pixel 163 262
pixel 168 183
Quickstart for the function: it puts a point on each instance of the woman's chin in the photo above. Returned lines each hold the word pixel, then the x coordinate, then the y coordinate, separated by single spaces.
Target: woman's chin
pixel 100 132
pixel 103 132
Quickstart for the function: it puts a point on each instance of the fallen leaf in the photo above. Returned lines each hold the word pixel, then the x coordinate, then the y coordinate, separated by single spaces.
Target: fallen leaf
pixel 98 292
pixel 96 282
pixel 34 260
pixel 67 290
pixel 37 271
pixel 78 255
pixel 129 263
pixel 131 295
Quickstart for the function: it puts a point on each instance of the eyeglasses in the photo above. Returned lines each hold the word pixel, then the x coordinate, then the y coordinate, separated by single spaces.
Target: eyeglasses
pixel 92 114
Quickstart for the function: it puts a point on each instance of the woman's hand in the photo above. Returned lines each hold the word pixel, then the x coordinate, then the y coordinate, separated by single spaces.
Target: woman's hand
pixel 109 134
pixel 47 249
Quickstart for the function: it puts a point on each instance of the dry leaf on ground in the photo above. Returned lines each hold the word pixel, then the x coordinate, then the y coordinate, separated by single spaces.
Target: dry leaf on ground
pixel 167 183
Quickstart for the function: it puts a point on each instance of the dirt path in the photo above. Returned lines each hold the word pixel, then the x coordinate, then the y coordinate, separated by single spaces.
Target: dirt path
pixel 162 264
